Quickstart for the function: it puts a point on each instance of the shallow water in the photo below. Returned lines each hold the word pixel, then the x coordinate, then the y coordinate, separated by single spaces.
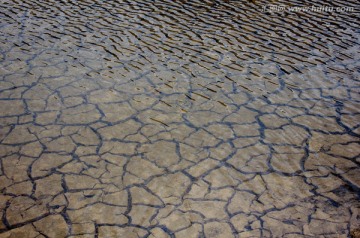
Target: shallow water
pixel 178 119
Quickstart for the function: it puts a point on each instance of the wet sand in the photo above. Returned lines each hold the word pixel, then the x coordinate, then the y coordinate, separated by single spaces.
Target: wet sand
pixel 178 119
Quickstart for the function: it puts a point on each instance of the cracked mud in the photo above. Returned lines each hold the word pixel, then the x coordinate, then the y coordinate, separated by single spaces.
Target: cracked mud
pixel 178 119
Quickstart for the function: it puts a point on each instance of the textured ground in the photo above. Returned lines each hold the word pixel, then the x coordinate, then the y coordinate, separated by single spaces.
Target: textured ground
pixel 178 119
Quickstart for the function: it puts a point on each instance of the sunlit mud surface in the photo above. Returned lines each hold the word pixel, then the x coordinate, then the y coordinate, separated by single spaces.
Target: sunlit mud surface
pixel 178 119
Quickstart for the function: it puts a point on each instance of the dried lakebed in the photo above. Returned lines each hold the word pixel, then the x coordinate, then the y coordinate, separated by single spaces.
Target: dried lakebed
pixel 178 119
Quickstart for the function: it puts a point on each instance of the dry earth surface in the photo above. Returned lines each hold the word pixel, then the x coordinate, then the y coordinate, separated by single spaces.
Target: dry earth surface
pixel 186 118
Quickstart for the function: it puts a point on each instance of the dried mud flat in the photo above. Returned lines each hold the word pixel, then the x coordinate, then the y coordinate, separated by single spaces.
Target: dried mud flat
pixel 178 119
